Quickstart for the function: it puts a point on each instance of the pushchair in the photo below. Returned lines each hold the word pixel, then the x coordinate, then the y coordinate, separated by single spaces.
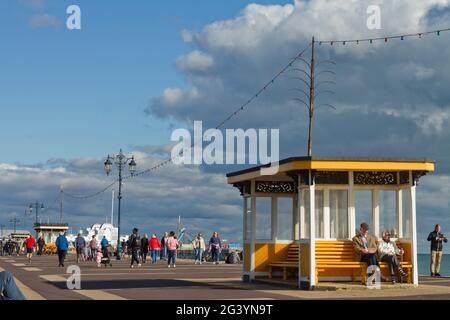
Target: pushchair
pixel 107 254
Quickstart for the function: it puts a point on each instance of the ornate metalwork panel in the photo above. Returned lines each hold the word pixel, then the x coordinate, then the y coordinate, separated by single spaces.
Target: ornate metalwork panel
pixel 375 178
pixel 404 177
pixel 331 177
pixel 275 187
pixel 244 187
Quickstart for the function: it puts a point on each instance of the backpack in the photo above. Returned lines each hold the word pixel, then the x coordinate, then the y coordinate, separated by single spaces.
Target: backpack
pixel 233 258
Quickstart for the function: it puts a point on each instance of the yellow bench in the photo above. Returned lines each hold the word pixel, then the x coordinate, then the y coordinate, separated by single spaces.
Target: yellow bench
pixel 341 255
pixel 291 262
pixel 332 254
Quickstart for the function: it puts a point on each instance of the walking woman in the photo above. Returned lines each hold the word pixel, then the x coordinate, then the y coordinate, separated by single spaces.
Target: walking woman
pixel 164 246
pixel 144 248
pixel 199 247
pixel 172 245
pixel 62 245
pixel 155 247
pixel 215 247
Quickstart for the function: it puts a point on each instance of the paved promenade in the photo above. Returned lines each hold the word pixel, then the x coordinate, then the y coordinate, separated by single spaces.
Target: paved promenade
pixel 43 280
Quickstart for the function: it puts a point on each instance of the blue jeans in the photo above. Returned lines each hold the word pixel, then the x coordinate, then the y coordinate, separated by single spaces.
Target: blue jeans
pixel 172 257
pixel 198 254
pixel 154 255
pixel 8 287
pixel 215 253
pixel 164 252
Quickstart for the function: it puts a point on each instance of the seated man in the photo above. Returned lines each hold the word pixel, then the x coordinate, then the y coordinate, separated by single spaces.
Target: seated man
pixel 388 251
pixel 365 246
pixel 8 287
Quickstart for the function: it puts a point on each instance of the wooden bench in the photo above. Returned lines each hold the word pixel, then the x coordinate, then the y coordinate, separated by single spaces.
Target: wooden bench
pixel 332 254
pixel 341 255
pixel 291 262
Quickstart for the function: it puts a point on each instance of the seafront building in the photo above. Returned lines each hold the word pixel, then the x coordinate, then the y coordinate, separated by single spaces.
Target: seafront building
pixel 302 219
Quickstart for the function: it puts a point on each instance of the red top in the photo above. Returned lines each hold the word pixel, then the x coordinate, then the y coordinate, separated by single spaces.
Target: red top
pixel 154 243
pixel 30 242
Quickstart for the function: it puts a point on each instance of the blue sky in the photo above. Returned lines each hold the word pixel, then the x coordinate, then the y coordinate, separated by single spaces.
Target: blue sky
pixel 139 68
pixel 67 94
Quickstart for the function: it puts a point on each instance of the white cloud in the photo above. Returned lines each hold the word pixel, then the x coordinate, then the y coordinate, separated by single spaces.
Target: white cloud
pixel 195 61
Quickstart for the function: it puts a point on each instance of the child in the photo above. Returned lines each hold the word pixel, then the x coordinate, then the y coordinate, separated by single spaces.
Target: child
pixel 99 257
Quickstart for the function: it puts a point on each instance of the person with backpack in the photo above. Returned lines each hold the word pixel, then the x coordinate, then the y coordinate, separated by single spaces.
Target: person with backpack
pixel 134 246
pixel 215 247
pixel 199 247
pixel 155 247
pixel 144 248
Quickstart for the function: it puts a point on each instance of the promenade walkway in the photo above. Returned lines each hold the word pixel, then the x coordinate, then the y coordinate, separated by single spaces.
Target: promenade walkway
pixel 43 280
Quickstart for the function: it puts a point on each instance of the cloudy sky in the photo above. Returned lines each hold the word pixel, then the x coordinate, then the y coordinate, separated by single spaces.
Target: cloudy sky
pixel 133 73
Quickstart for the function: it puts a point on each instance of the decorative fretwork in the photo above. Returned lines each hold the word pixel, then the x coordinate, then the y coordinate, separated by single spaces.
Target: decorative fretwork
pixel 375 178
pixel 417 175
pixel 331 177
pixel 275 187
pixel 304 176
pixel 244 187
pixel 404 177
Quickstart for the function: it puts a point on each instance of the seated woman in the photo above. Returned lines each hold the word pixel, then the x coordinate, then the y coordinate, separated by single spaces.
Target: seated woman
pixel 388 251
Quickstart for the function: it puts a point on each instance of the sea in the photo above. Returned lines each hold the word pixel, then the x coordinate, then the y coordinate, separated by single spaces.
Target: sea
pixel 424 264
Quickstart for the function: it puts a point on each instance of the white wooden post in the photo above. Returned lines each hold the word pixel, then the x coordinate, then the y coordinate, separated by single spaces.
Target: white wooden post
pixel 253 231
pixel 299 204
pixel 326 214
pixel 351 207
pixel 399 207
pixel 312 232
pixel 413 229
pixel 274 218
pixel 375 213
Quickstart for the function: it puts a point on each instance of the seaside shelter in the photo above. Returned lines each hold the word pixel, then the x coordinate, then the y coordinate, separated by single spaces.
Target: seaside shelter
pixel 302 218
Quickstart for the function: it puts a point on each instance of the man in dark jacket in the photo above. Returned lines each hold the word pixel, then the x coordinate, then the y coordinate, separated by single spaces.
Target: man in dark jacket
pixel 62 245
pixel 41 244
pixel 134 246
pixel 436 238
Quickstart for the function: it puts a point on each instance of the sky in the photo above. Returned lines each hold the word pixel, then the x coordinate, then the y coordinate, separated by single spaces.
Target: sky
pixel 137 70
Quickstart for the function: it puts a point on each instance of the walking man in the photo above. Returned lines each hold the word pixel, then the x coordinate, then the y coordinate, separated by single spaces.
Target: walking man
pixel 164 250
pixel 41 244
pixel 436 238
pixel 80 244
pixel 93 248
pixel 134 245
pixel 62 245
pixel 30 242
pixel 144 248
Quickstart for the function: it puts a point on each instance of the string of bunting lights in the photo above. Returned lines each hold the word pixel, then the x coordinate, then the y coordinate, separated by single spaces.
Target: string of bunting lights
pixel 385 39
pixel 265 87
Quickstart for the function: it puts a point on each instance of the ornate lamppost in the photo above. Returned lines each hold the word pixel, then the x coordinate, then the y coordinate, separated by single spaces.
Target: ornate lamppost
pixel 120 160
